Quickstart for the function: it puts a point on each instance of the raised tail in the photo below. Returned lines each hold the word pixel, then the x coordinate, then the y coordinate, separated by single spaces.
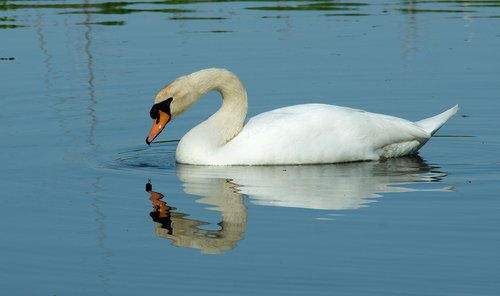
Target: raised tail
pixel 432 124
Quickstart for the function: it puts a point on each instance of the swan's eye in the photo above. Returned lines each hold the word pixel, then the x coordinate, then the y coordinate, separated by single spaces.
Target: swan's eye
pixel 154 111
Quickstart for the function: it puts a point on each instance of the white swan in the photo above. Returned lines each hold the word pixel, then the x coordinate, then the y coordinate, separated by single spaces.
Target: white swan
pixel 301 134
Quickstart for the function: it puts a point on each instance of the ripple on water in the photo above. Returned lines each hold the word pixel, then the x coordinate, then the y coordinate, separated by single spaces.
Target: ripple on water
pixel 156 156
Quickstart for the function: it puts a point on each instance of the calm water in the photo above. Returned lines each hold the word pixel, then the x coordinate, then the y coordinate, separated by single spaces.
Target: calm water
pixel 77 82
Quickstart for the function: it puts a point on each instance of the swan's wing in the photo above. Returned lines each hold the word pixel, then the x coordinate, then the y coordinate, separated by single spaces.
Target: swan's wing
pixel 328 120
pixel 314 133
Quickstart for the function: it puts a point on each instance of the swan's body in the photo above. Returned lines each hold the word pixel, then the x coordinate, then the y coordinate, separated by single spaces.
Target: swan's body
pixel 301 134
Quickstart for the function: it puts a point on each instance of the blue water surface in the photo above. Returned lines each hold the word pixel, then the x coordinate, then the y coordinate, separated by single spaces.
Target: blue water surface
pixel 77 82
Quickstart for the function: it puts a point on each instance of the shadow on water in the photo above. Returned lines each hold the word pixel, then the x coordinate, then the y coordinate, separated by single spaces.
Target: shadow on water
pixel 334 187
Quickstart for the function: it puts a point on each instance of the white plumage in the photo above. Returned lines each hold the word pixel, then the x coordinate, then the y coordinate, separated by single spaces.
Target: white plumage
pixel 301 134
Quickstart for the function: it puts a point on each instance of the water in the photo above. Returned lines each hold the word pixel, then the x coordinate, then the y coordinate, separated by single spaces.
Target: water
pixel 77 82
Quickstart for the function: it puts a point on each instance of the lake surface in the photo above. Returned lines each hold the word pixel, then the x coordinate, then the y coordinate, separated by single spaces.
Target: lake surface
pixel 77 82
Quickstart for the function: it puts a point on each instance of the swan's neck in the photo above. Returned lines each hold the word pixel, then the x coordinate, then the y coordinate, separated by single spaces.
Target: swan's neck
pixel 224 124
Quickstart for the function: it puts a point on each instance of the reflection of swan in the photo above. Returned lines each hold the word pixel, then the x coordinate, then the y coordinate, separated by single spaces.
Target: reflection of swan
pixel 329 187
pixel 185 232
pixel 302 134
pixel 333 187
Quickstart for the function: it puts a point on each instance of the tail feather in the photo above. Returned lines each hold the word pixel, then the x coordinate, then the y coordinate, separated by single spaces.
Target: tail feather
pixel 432 124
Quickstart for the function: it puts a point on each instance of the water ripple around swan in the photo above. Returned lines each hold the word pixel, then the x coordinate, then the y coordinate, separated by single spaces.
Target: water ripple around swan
pixel 156 156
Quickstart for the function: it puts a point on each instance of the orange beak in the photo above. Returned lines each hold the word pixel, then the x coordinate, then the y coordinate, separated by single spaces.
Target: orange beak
pixel 158 125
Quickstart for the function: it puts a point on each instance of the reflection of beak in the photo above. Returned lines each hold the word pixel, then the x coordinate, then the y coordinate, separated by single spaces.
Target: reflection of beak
pixel 158 125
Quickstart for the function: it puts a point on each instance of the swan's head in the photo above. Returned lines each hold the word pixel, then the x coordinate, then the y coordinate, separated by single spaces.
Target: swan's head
pixel 170 102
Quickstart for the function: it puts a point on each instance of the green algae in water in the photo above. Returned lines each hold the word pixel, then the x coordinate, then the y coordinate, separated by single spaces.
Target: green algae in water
pixel 189 18
pixel 105 23
pixel 318 6
pixel 129 11
pixel 10 26
pixel 346 14
pixel 414 10
pixel 92 8
pixel 7 19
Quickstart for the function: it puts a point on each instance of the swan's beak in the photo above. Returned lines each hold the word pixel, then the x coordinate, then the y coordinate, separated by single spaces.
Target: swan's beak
pixel 158 125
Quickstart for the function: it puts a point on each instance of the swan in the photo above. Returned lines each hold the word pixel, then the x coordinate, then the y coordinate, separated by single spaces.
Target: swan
pixel 300 134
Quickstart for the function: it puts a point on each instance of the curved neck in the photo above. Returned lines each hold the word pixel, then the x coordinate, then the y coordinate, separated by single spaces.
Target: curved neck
pixel 228 121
